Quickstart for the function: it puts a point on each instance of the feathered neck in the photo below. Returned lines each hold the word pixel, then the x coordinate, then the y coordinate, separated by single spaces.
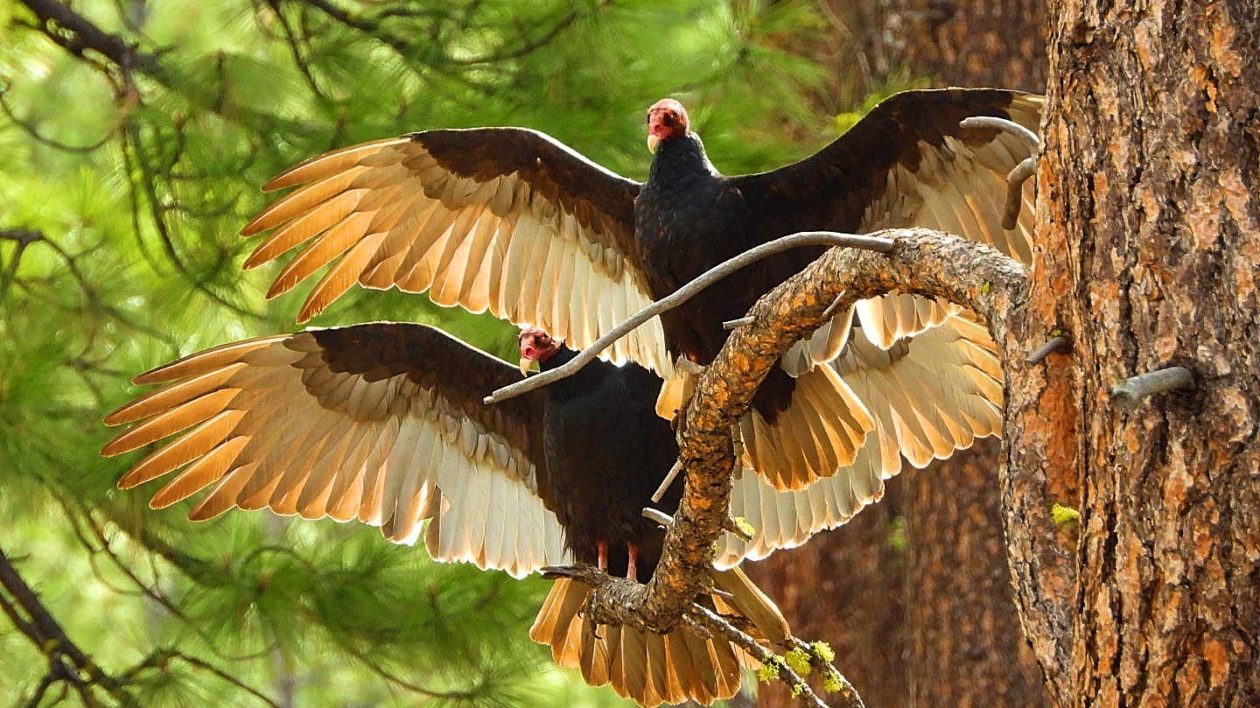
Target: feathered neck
pixel 680 158
pixel 578 383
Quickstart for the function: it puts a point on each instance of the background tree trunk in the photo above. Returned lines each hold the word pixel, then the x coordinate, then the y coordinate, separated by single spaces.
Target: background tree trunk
pixel 848 587
pixel 1151 224
pixel 967 42
pixel 916 590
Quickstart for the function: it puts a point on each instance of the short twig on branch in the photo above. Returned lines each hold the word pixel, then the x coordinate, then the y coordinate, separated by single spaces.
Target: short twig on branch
pixel 669 480
pixel 658 516
pixel 685 293
pixel 1010 126
pixel 1129 394
pixel 737 322
pixel 1055 344
pixel 740 527
pixel 822 657
pixel 1020 174
pixel 1015 191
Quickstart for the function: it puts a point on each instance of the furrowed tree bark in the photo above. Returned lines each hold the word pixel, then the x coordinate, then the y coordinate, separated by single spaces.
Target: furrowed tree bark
pixel 935 622
pixel 1151 221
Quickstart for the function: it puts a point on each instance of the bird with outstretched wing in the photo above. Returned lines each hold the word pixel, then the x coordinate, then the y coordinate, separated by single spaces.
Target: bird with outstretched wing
pixel 510 221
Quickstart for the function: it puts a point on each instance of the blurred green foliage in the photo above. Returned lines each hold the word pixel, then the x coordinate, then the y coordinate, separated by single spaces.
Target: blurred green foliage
pixel 133 177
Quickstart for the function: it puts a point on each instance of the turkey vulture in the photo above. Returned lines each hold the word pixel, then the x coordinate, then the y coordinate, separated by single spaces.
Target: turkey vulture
pixel 384 423
pixel 511 221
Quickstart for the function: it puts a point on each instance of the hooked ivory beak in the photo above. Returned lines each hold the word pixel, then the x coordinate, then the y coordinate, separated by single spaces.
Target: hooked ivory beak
pixel 526 362
pixel 653 141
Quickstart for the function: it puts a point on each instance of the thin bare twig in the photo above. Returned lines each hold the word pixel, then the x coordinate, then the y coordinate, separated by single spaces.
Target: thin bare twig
pixel 1016 177
pixel 658 516
pixel 1010 126
pixel 1129 394
pixel 685 293
pixel 713 623
pixel 737 322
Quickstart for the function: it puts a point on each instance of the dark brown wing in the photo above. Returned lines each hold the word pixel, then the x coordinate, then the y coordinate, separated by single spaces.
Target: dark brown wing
pixel 907 163
pixel 500 219
pixel 379 422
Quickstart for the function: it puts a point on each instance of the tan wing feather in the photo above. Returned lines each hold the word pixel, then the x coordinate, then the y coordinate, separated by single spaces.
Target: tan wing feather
pixel 650 668
pixel 930 396
pixel 958 187
pixel 488 233
pixel 266 423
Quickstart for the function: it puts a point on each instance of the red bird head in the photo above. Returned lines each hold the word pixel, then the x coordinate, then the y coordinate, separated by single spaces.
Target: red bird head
pixel 666 119
pixel 536 345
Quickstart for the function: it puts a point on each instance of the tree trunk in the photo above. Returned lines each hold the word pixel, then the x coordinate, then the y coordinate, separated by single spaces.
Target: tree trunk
pixel 1150 227
pixel 934 625
pixel 965 644
pixel 969 42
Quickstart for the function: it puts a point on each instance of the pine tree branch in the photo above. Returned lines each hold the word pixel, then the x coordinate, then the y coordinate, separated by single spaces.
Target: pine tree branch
pixel 66 661
pixel 160 658
pixel 531 45
pixel 77 35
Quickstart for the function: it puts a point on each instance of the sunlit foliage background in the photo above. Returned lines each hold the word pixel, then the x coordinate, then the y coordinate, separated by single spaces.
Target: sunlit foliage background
pixel 124 180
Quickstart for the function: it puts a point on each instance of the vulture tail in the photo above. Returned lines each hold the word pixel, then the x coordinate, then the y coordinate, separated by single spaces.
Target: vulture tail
pixel 651 668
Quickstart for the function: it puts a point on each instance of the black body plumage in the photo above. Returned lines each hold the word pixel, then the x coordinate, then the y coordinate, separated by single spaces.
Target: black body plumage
pixel 607 452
